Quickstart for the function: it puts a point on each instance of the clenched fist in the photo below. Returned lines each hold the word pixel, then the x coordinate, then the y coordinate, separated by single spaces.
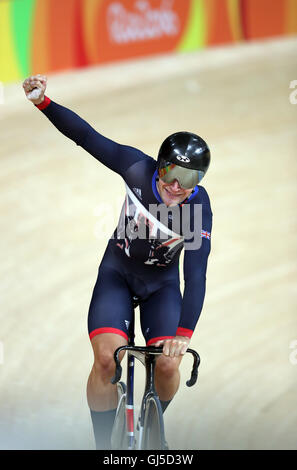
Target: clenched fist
pixel 34 88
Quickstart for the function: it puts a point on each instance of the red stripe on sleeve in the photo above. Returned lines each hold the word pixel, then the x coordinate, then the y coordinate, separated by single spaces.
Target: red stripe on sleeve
pixel 184 332
pixel 44 104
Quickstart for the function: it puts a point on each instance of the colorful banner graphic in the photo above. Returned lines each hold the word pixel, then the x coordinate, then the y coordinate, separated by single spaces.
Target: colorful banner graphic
pixel 45 36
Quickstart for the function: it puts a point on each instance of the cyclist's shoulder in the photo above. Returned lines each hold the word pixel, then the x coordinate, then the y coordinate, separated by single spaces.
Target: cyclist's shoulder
pixel 141 166
pixel 133 162
pixel 139 155
pixel 202 197
pixel 202 192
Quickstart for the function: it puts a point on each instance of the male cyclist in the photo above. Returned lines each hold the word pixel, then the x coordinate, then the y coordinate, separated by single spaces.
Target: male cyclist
pixel 142 256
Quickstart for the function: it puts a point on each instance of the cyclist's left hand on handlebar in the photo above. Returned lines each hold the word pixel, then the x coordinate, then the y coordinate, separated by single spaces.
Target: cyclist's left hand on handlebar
pixel 174 347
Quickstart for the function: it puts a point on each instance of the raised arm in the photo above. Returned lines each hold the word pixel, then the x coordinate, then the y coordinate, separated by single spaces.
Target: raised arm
pixel 115 156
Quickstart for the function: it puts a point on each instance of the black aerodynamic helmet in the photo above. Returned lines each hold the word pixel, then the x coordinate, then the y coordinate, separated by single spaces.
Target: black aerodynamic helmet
pixel 183 156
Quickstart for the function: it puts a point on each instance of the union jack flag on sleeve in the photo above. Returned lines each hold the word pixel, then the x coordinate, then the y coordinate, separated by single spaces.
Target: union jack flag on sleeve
pixel 205 234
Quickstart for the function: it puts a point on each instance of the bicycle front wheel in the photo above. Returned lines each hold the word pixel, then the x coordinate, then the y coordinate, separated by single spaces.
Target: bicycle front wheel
pixel 153 426
pixel 119 430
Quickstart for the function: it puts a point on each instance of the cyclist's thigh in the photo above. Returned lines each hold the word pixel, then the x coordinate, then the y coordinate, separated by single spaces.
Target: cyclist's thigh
pixel 160 313
pixel 111 307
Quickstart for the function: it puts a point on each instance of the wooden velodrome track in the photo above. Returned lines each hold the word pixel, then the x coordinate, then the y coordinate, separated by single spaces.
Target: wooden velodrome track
pixel 53 195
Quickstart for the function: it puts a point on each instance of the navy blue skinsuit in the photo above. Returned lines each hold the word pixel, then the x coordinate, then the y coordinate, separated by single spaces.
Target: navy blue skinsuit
pixel 146 267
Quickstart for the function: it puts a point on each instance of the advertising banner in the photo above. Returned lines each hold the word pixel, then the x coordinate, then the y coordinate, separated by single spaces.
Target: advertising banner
pixel 44 36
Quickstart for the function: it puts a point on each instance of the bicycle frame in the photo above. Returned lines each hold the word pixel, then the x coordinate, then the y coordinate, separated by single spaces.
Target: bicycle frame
pixel 146 355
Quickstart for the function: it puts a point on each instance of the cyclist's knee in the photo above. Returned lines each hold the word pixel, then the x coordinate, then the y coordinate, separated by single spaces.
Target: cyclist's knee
pixel 104 347
pixel 104 364
pixel 167 366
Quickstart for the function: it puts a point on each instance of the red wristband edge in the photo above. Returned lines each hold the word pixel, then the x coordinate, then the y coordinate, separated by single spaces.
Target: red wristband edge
pixel 44 104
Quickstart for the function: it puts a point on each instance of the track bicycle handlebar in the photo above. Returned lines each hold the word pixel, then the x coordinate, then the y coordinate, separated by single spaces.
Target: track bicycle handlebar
pixel 194 374
pixel 154 350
